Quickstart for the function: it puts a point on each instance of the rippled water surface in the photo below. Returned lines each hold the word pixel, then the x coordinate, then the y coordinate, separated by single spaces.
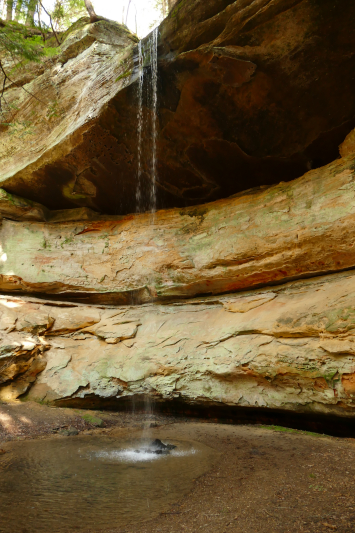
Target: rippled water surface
pixel 81 483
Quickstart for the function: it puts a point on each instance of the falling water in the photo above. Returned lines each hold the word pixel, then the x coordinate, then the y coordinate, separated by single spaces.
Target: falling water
pixel 147 122
pixel 147 131
pixel 140 120
pixel 154 93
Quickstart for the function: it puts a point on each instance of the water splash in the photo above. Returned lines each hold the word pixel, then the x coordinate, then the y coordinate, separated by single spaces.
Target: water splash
pixel 147 128
pixel 130 455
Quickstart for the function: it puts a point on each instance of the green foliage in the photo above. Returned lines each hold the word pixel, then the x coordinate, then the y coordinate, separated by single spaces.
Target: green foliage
pixel 32 41
pixel 54 110
pixel 94 420
pixel 161 7
pixel 123 76
pixel 25 10
pixel 19 128
pixel 19 43
pixel 66 11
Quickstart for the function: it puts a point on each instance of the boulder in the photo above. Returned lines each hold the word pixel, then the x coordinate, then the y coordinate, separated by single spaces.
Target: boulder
pixel 289 347
pixel 250 93
pixel 21 360
pixel 268 235
pixel 65 95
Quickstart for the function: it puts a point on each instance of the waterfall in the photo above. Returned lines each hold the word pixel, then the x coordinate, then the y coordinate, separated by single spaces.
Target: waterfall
pixel 147 129
pixel 140 120
pixel 147 161
pixel 154 107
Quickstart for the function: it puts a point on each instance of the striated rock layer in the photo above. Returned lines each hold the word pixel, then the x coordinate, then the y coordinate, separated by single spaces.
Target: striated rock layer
pixel 302 228
pixel 287 347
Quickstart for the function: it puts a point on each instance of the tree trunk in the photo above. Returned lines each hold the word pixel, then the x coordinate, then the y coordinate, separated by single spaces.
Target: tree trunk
pixel 18 7
pixel 164 6
pixel 129 5
pixel 9 9
pixel 91 11
pixel 31 10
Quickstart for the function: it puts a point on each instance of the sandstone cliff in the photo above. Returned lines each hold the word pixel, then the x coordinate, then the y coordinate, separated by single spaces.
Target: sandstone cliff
pixel 246 300
pixel 290 347
pixel 295 229
pixel 250 93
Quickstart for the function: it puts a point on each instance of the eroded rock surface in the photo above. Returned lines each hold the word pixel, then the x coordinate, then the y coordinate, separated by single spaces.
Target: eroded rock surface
pixel 71 90
pixel 250 93
pixel 290 230
pixel 287 347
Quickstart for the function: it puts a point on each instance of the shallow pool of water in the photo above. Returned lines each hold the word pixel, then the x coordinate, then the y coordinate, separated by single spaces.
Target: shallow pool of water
pixel 82 483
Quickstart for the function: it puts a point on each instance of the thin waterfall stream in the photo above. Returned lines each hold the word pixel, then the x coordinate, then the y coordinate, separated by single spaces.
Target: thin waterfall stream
pixel 147 162
pixel 154 96
pixel 140 120
pixel 147 130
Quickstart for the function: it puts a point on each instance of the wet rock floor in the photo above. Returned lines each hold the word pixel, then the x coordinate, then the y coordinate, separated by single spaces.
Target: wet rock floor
pixel 265 480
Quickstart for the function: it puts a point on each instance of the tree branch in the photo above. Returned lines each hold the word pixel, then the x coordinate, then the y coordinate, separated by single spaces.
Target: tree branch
pixel 3 86
pixel 50 19
pixel 6 77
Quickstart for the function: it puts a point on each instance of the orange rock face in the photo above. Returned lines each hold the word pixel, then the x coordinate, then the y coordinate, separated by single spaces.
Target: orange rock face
pixel 348 382
pixel 249 93
pixel 291 230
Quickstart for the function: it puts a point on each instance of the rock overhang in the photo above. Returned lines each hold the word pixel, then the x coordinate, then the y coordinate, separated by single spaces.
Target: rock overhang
pixel 264 236
pixel 263 95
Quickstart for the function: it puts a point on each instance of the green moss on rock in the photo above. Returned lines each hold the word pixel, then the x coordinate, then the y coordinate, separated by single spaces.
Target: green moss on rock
pixel 94 420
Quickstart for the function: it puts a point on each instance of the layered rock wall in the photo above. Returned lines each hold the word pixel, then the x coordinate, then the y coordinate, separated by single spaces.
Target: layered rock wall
pixel 243 301
pixel 289 347
pixel 295 229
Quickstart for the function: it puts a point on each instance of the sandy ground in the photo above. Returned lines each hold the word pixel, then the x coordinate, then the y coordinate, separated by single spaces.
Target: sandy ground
pixel 264 480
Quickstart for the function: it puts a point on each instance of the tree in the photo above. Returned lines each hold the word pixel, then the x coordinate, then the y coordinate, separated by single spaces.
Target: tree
pixel 19 8
pixel 162 7
pixel 16 45
pixel 165 6
pixel 91 11
pixel 31 10
pixel 9 9
pixel 65 12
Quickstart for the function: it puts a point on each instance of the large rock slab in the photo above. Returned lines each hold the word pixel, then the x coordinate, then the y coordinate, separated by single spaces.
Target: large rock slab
pixel 296 229
pixel 251 92
pixel 56 102
pixel 287 347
